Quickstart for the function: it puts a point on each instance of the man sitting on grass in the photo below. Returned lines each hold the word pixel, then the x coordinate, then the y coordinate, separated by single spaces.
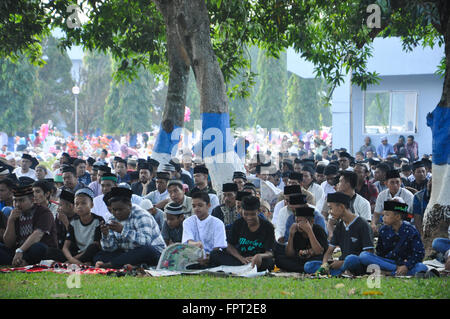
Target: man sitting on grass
pixel 203 230
pixel 399 248
pixel 352 234
pixel 251 240
pixel 131 236
pixel 29 232
pixel 83 237
pixel 307 241
pixel 172 229
pixel 65 214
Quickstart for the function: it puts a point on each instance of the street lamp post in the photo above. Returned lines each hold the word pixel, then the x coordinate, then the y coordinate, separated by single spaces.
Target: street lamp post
pixel 76 91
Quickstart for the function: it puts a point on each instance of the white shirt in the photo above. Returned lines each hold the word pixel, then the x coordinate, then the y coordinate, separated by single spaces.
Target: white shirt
pixel 100 208
pixel 318 193
pixel 276 210
pixel 385 195
pixel 31 173
pixel 280 224
pixel 210 231
pixel 361 207
pixel 327 189
pixel 281 185
pixel 155 197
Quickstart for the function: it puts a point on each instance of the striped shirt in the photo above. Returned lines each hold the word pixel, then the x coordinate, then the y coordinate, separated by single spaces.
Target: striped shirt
pixel 139 229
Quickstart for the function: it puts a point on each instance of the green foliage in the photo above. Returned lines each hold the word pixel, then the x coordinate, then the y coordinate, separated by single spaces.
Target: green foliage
pixel 270 99
pixel 332 34
pixel 376 110
pixel 96 76
pixel 17 87
pixel 23 24
pixel 304 105
pixel 53 99
pixel 129 107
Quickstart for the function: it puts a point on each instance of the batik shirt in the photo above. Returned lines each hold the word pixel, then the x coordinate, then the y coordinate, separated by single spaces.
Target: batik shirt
pixel 405 247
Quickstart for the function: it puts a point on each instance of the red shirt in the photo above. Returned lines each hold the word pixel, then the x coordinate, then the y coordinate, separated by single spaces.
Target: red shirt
pixel 369 192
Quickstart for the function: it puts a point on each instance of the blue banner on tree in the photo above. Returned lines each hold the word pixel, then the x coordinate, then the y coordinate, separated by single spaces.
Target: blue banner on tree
pixel 216 134
pixel 438 121
pixel 165 142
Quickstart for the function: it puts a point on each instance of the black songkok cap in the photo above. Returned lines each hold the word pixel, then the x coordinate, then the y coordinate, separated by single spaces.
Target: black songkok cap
pixel 229 187
pixel 239 175
pixel 304 211
pixel 201 169
pixel 417 164
pixel 296 176
pixel 152 162
pixel 67 196
pixel 398 207
pixel 145 165
pixel 339 197
pixel 117 192
pixel 241 194
pixel 27 156
pixel 299 199
pixel 163 175
pixel 69 169
pixel 292 189
pixel 392 174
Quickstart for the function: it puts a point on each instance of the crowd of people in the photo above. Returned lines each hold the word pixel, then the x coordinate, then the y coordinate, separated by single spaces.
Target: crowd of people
pixel 109 210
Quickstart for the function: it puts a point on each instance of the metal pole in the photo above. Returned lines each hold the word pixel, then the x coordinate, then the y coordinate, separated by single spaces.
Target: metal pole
pixel 76 114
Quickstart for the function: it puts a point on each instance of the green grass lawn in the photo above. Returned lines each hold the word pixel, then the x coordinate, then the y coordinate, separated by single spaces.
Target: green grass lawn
pixel 51 285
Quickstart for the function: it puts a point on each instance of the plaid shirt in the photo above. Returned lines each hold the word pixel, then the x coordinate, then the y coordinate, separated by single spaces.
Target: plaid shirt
pixel 139 229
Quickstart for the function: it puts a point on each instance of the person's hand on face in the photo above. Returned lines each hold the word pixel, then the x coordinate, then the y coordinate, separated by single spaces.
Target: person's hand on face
pixel 304 225
pixel 15 214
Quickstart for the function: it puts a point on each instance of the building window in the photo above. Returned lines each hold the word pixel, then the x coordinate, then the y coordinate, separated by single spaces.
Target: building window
pixel 388 112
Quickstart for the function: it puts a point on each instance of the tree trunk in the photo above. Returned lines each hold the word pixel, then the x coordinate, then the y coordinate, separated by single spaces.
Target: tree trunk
pixel 189 45
pixel 179 64
pixel 437 213
pixel 217 143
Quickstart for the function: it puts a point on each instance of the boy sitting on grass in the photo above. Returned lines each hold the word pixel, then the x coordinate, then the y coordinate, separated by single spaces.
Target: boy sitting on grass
pixel 203 230
pixel 399 249
pixel 172 229
pixel 352 234
pixel 307 241
pixel 83 236
pixel 251 240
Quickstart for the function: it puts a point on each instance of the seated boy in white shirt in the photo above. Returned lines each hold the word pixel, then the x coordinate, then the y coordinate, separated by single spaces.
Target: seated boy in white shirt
pixel 203 230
